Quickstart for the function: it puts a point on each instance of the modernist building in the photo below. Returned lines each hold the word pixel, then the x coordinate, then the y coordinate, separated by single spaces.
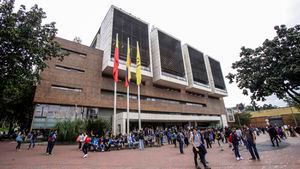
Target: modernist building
pixel 180 85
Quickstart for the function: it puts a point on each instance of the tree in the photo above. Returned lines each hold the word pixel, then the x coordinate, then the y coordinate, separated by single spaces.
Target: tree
pixel 242 118
pixel 273 68
pixel 25 45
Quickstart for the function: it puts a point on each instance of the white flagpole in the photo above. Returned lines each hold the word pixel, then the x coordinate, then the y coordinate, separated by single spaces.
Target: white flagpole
pixel 128 109
pixel 115 110
pixel 139 108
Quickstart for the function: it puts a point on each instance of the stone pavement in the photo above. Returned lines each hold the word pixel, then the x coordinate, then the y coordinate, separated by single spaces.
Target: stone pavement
pixel 287 156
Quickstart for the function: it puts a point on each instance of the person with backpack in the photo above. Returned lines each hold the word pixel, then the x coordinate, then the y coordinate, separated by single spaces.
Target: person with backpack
pixel 207 138
pixel 86 144
pixel 198 148
pixel 180 139
pixel 235 143
pixel 32 138
pixel 51 142
pixel 19 140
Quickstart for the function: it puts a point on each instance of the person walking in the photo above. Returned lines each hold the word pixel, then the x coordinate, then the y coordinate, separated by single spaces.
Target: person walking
pixel 198 148
pixel 51 142
pixel 251 143
pixel 180 139
pixel 235 144
pixel 86 144
pixel 80 140
pixel 207 139
pixel 141 140
pixel 220 140
pixel 32 138
pixel 19 140
pixel 273 135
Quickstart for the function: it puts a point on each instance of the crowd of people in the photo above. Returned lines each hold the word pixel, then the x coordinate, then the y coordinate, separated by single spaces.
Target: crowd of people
pixel 201 139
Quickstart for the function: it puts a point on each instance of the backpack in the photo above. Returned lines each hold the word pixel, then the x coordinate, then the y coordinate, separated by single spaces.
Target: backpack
pixel 178 138
pixel 87 140
pixel 230 138
pixel 51 138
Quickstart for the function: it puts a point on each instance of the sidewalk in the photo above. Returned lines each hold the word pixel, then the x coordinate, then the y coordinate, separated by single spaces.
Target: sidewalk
pixel 165 157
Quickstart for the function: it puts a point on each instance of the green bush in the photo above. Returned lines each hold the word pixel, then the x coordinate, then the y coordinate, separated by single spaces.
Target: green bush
pixel 67 131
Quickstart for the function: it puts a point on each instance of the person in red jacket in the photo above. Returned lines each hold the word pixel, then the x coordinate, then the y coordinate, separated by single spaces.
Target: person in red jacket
pixel 87 141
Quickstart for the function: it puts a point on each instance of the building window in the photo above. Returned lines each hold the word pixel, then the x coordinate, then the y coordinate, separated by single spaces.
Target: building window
pixel 166 88
pixel 74 52
pixel 194 94
pixel 73 89
pixel 70 69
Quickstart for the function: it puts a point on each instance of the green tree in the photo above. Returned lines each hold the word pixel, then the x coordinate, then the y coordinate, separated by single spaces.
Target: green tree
pixel 25 45
pixel 273 68
pixel 242 118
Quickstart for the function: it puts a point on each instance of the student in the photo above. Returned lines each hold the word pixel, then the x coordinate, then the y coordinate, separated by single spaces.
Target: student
pixel 32 138
pixel 220 140
pixel 19 140
pixel 251 143
pixel 80 140
pixel 141 140
pixel 273 135
pixel 235 143
pixel 198 148
pixel 51 142
pixel 180 139
pixel 86 143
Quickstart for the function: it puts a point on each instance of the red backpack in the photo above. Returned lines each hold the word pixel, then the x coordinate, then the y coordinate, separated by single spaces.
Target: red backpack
pixel 230 138
pixel 87 140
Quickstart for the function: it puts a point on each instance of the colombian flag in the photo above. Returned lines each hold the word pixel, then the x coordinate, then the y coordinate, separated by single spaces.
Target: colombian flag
pixel 116 60
pixel 138 65
pixel 128 64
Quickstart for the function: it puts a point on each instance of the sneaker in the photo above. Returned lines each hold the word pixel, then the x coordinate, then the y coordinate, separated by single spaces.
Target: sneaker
pixel 238 158
pixel 85 156
pixel 241 158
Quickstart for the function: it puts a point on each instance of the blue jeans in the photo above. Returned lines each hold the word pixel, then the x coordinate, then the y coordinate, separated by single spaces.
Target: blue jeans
pixel 141 144
pixel 252 149
pixel 32 142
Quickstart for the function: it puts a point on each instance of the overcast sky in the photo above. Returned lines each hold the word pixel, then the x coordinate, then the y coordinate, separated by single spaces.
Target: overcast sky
pixel 217 28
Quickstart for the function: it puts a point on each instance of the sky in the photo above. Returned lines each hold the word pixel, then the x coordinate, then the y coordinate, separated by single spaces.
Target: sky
pixel 217 28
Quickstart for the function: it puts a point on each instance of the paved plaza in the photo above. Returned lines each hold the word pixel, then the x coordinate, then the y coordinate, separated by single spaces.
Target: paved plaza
pixel 287 156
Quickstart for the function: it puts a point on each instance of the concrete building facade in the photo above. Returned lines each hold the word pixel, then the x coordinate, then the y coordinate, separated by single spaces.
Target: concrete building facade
pixel 81 86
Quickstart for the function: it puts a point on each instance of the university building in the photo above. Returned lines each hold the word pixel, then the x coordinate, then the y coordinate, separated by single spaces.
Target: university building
pixel 180 85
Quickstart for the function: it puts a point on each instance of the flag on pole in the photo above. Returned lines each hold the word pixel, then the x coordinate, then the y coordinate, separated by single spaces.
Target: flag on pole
pixel 128 64
pixel 138 65
pixel 116 60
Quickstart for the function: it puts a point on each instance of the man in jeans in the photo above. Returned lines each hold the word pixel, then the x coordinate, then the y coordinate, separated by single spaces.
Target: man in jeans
pixel 198 148
pixel 251 142
pixel 141 140
pixel 51 142
pixel 180 139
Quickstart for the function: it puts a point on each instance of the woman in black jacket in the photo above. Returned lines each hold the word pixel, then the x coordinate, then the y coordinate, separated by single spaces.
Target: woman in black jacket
pixel 235 143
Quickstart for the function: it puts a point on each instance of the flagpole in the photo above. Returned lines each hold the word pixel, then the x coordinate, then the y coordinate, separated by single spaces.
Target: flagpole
pixel 139 108
pixel 128 109
pixel 115 110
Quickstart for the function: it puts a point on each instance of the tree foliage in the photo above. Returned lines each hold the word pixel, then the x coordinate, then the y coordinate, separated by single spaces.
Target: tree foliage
pixel 272 68
pixel 244 118
pixel 25 45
